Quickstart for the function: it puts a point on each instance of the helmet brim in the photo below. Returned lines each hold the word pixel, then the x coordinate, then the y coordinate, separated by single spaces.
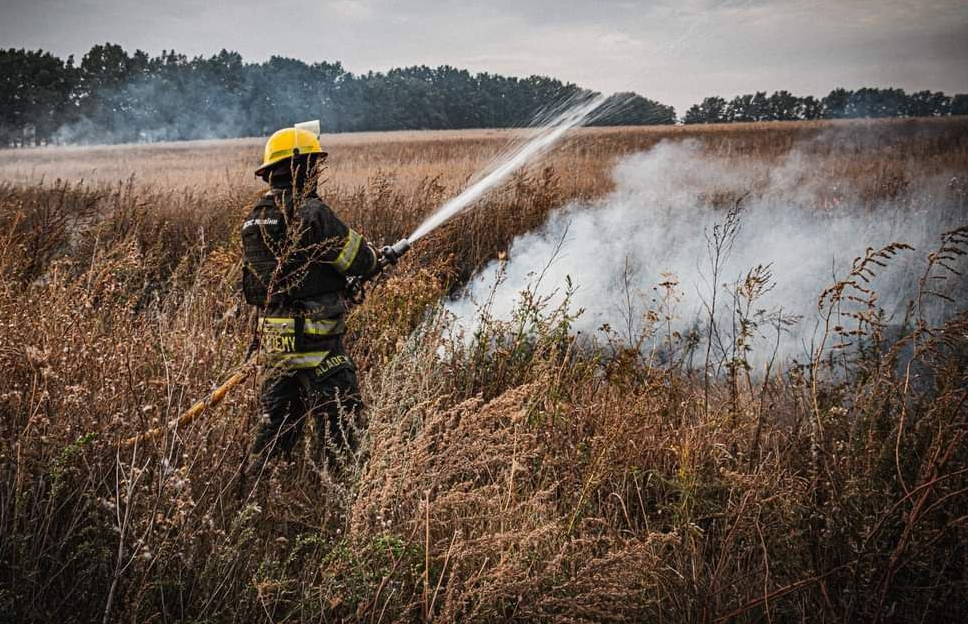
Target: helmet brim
pixel 264 169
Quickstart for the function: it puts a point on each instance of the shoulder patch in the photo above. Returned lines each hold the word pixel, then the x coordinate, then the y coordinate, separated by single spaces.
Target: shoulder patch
pixel 259 222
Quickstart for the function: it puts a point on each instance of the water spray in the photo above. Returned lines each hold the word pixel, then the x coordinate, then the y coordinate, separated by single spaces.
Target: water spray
pixel 547 136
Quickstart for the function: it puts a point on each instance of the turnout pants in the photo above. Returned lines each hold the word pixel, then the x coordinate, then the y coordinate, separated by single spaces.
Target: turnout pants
pixel 318 385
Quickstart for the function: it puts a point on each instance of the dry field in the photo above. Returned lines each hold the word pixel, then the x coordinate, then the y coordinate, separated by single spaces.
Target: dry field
pixel 515 477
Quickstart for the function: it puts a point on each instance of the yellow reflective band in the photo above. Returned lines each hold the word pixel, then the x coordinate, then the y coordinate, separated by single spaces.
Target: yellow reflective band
pixel 282 326
pixel 325 327
pixel 309 359
pixel 349 252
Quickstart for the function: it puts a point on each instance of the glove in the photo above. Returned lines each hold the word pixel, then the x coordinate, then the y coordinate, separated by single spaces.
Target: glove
pixel 355 290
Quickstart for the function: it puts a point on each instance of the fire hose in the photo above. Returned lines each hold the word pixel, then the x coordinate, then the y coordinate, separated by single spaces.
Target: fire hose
pixel 356 291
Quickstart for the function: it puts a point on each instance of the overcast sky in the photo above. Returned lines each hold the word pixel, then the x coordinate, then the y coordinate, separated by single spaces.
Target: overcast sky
pixel 675 51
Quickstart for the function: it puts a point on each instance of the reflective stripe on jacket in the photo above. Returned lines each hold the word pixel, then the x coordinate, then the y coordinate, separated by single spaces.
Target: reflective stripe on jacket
pixel 298 250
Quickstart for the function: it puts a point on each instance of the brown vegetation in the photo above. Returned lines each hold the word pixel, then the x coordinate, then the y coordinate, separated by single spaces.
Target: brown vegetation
pixel 515 478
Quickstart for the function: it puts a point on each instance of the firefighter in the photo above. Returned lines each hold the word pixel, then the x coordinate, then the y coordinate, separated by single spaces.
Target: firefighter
pixel 297 257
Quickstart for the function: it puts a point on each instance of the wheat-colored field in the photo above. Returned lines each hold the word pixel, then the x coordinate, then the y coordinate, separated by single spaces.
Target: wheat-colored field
pixel 454 156
pixel 515 476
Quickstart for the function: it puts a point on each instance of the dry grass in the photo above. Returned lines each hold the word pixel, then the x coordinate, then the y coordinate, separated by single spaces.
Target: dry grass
pixel 517 478
pixel 584 163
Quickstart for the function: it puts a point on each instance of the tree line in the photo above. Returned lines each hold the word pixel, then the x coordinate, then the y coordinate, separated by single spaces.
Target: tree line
pixel 838 104
pixel 113 96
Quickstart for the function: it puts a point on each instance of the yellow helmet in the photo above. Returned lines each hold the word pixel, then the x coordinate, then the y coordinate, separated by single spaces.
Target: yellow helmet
pixel 287 143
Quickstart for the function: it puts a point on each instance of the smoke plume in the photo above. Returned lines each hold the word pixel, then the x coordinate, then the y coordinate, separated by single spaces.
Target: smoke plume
pixel 659 226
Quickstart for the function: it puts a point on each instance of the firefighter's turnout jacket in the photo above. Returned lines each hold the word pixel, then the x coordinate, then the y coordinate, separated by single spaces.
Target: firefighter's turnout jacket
pixel 298 254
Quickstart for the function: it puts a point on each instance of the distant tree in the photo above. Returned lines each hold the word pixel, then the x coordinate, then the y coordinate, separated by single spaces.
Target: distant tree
pixel 454 88
pixel 739 108
pixel 834 105
pixel 105 75
pixel 217 88
pixel 693 115
pixel 810 108
pixel 959 104
pixel 759 107
pixel 783 106
pixel 870 102
pixel 35 95
pixel 630 109
pixel 711 110
pixel 928 104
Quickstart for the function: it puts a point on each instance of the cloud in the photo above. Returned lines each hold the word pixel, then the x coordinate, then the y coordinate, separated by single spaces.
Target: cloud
pixel 350 9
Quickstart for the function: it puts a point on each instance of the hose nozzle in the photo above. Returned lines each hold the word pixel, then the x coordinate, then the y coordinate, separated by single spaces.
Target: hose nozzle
pixel 391 253
pixel 356 285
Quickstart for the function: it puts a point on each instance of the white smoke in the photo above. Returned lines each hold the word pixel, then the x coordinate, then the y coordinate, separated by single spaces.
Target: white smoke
pixel 656 223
